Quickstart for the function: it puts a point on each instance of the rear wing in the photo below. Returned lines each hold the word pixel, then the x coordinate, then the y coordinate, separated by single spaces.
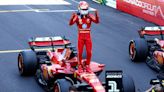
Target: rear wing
pixel 152 31
pixel 48 41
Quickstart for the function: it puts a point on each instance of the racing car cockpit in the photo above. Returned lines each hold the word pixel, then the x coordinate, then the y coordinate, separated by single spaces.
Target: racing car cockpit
pixel 58 57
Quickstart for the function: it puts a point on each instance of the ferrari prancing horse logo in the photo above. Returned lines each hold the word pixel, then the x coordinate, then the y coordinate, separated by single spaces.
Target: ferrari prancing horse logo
pixel 84 26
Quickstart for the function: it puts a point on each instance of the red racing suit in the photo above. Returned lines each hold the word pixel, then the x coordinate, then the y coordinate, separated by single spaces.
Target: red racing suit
pixel 84 36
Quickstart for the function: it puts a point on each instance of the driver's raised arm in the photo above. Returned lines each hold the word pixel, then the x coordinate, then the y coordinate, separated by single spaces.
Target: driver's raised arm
pixel 95 18
pixel 73 19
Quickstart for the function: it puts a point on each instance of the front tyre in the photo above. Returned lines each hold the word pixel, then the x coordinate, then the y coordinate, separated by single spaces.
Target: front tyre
pixel 62 85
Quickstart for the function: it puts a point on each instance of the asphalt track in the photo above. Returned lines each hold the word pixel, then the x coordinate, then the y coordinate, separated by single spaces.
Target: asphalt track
pixel 110 41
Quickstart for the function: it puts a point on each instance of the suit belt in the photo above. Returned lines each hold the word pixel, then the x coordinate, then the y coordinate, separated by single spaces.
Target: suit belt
pixel 84 30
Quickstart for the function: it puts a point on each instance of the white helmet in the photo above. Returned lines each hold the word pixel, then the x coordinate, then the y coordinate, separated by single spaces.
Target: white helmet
pixel 83 7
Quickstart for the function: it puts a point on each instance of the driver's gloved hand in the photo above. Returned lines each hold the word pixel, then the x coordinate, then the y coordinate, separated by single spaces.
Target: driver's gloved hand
pixel 78 13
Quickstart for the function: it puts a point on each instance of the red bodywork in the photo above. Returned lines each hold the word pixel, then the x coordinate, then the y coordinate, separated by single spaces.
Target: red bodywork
pixel 68 66
pixel 159 56
pixel 151 33
pixel 155 31
pixel 92 80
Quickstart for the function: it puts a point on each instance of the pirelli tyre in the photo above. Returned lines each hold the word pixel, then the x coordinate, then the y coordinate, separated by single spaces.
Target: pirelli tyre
pixel 138 50
pixel 128 84
pixel 27 62
pixel 62 85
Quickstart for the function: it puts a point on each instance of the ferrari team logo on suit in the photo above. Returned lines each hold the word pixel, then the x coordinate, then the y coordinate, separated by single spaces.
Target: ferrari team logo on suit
pixel 84 26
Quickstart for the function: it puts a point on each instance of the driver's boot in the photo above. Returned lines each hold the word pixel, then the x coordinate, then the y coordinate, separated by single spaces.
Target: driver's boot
pixel 88 69
pixel 80 68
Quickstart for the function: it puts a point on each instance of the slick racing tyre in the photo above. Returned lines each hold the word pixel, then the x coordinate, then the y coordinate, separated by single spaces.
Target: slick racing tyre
pixel 138 50
pixel 62 85
pixel 27 62
pixel 128 84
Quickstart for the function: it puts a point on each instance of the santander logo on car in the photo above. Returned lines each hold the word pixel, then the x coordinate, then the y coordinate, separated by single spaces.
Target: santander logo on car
pixel 148 8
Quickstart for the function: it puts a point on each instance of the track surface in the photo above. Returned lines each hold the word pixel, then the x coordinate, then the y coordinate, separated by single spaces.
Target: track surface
pixel 110 41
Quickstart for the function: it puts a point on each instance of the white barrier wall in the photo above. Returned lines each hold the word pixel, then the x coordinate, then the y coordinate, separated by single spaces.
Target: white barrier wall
pixel 111 3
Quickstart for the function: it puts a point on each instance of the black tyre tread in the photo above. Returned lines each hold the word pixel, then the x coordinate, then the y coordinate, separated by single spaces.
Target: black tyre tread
pixel 64 85
pixel 128 84
pixel 141 49
pixel 29 62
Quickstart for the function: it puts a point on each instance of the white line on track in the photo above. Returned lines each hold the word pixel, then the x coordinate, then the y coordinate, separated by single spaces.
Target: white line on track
pixel 61 11
pixel 40 10
pixel 28 7
pixel 16 51
pixel 25 10
pixel 58 11
pixel 75 1
pixel 12 51
pixel 35 10
pixel 34 2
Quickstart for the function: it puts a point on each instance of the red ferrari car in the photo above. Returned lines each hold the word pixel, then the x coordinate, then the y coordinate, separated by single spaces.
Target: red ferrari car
pixel 53 61
pixel 149 47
